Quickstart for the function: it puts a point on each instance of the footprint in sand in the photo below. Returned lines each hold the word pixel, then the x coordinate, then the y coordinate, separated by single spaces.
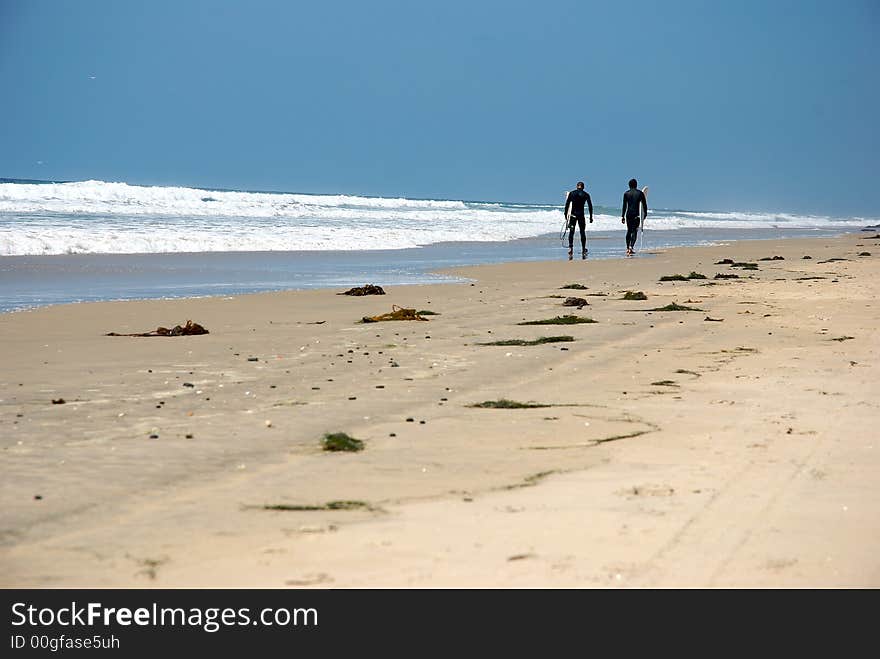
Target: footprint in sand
pixel 779 564
pixel 310 579
pixel 648 490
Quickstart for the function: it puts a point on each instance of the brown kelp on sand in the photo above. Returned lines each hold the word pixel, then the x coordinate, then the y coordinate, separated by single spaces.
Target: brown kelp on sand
pixel 188 329
pixel 396 313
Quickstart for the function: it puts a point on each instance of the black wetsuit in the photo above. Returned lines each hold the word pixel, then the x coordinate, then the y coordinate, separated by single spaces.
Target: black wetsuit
pixel 632 213
pixel 575 202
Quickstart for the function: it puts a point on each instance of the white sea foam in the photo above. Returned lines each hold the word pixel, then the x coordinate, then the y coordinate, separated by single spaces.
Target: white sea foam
pixel 102 217
pixel 100 197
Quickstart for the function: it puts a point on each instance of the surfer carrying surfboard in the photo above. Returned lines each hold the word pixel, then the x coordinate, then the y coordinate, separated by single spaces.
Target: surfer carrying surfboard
pixel 574 213
pixel 631 214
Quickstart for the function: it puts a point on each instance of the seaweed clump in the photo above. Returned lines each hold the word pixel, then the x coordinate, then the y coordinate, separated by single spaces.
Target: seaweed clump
pixel 676 307
pixel 366 289
pixel 692 275
pixel 396 313
pixel 188 329
pixel 523 342
pixel 560 320
pixel 330 505
pixel 340 441
pixel 505 404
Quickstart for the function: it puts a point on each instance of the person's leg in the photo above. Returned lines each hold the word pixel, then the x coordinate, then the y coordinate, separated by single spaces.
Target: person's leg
pixel 582 225
pixel 570 238
pixel 632 232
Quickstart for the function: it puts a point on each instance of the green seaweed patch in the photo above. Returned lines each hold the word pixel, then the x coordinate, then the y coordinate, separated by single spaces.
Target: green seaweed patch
pixel 505 404
pixel 664 383
pixel 864 253
pixel 426 312
pixel 523 342
pixel 732 275
pixel 692 275
pixel 725 262
pixel 676 307
pixel 745 266
pixel 560 320
pixel 577 287
pixel 709 319
pixel 347 505
pixel 634 295
pixel 330 505
pixel 843 338
pixel 340 441
pixel 684 371
pixel 606 294
pixel 808 278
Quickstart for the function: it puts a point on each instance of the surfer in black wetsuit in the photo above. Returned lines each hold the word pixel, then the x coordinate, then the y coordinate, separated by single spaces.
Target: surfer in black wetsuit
pixel 632 213
pixel 574 213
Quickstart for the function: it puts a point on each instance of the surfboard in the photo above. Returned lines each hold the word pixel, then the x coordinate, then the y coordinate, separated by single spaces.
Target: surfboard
pixel 566 216
pixel 644 215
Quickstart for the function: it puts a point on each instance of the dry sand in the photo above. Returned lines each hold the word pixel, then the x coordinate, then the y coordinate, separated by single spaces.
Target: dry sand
pixel 677 452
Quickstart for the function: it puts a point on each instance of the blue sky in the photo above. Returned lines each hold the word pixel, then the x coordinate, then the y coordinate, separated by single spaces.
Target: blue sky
pixel 745 105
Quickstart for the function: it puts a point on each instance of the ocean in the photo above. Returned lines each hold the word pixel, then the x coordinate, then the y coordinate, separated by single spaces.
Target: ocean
pixel 97 240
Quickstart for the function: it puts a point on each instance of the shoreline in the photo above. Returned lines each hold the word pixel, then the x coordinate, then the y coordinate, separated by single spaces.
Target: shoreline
pixel 35 281
pixel 624 481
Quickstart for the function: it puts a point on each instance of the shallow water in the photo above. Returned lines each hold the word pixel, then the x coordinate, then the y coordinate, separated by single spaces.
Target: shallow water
pixel 33 281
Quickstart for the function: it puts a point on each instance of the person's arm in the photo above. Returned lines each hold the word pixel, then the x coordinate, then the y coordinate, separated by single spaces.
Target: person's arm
pixel 590 204
pixel 623 210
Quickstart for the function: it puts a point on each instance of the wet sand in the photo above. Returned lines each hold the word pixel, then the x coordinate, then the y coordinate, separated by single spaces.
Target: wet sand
pixel 673 451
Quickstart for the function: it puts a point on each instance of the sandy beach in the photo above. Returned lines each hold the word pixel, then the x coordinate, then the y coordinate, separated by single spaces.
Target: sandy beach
pixel 734 445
